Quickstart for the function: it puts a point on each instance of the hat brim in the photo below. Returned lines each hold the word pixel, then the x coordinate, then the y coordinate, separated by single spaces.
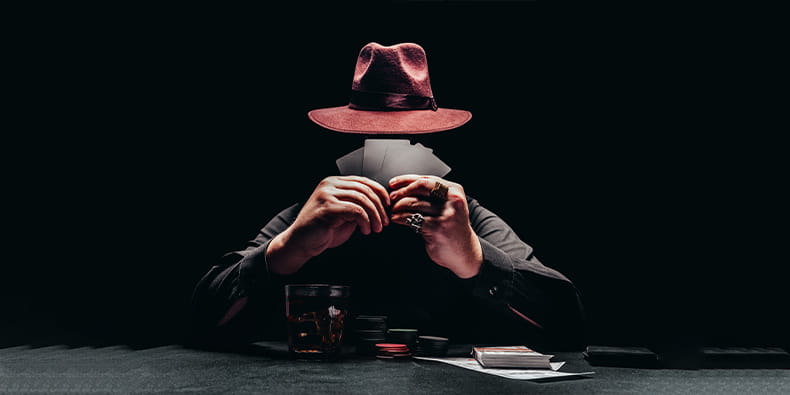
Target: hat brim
pixel 348 120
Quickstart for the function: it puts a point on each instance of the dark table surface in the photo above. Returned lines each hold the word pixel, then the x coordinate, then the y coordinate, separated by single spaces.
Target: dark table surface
pixel 267 368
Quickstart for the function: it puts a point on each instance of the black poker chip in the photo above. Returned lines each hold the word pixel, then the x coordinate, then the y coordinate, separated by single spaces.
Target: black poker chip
pixel 432 346
pixel 407 336
pixel 369 330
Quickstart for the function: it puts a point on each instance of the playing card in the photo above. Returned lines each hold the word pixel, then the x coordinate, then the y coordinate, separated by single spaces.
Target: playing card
pixel 410 159
pixel 351 163
pixel 374 152
pixel 422 146
pixel 382 159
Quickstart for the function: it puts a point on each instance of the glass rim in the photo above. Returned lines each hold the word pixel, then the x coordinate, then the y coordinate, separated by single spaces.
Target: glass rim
pixel 317 289
pixel 317 285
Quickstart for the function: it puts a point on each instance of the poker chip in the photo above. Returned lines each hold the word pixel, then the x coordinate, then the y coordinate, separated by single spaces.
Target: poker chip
pixel 432 346
pixel 391 345
pixel 369 330
pixel 392 351
pixel 405 336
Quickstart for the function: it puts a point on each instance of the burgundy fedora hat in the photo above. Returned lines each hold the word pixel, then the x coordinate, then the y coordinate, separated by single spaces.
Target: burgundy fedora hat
pixel 390 94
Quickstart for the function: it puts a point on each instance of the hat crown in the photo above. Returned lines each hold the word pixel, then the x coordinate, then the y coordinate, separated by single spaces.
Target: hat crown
pixel 400 68
pixel 390 94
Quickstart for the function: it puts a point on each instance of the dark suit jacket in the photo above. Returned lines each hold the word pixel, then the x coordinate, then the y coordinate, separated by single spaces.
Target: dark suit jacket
pixel 515 299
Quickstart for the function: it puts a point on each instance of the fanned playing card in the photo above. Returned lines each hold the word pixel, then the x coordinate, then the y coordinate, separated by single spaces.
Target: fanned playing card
pixel 375 150
pixel 410 159
pixel 382 159
pixel 351 163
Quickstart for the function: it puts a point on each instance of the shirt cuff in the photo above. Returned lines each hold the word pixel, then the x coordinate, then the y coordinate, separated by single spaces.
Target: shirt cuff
pixel 253 267
pixel 494 283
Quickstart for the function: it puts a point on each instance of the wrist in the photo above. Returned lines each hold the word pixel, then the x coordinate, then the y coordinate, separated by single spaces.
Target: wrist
pixel 473 262
pixel 282 258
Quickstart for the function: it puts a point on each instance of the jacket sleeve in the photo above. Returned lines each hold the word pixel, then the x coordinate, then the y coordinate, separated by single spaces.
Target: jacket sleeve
pixel 526 295
pixel 225 297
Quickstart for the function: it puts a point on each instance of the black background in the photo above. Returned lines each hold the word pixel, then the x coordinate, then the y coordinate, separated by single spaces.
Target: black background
pixel 144 141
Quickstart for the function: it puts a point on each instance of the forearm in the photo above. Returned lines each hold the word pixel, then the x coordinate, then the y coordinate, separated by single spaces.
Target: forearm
pixel 224 292
pixel 282 258
pixel 241 281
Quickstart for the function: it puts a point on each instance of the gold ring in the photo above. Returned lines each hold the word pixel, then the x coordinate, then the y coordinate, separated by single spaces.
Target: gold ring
pixel 439 191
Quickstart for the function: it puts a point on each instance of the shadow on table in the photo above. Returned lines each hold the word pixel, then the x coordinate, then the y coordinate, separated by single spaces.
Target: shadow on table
pixel 273 350
pixel 688 358
pixel 276 350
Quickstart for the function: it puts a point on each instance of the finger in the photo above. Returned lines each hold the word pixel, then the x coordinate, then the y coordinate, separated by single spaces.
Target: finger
pixel 377 188
pixel 421 206
pixel 400 218
pixel 351 212
pixel 371 194
pixel 363 200
pixel 419 187
pixel 398 182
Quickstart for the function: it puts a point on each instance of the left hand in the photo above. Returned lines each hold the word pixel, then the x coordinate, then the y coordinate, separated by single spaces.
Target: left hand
pixel 449 238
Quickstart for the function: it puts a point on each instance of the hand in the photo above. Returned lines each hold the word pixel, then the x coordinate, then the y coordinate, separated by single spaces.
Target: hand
pixel 337 207
pixel 449 238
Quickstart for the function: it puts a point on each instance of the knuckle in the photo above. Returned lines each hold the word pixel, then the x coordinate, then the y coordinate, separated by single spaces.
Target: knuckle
pixel 458 203
pixel 455 200
pixel 456 193
pixel 328 180
pixel 353 209
pixel 326 183
pixel 323 196
pixel 360 213
pixel 359 209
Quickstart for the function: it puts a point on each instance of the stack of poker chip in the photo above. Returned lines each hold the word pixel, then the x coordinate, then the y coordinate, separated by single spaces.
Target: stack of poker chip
pixel 432 346
pixel 405 336
pixel 392 351
pixel 369 330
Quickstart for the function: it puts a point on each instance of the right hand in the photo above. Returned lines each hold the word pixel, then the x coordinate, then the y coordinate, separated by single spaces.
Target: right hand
pixel 337 207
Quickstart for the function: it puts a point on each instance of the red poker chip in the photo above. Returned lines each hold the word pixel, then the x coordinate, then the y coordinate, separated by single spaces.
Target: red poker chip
pixel 390 345
pixel 392 350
